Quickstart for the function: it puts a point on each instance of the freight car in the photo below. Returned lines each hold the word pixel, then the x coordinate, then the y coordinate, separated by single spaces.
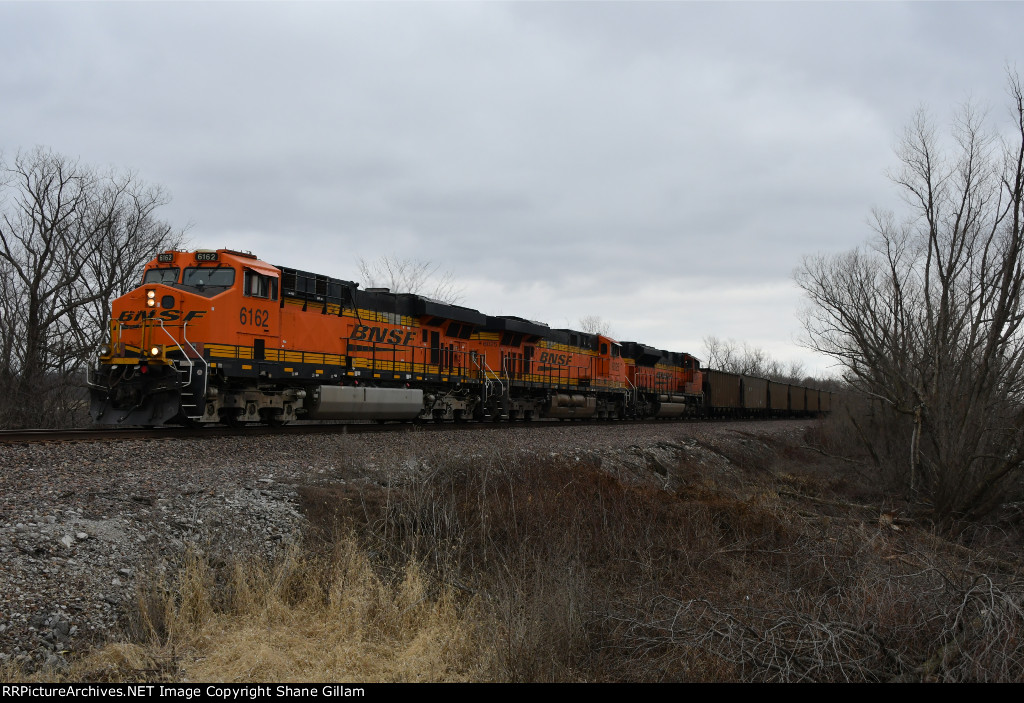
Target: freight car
pixel 220 336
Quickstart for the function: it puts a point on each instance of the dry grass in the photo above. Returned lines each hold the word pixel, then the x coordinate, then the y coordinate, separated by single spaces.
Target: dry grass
pixel 503 568
pixel 304 618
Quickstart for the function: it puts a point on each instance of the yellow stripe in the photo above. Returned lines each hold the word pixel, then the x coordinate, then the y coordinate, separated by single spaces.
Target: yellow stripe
pixel 221 350
pixel 544 344
pixel 374 316
pixel 362 314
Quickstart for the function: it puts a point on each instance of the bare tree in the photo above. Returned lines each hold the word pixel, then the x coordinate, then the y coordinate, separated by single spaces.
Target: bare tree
pixel 927 317
pixel 127 235
pixel 595 324
pixel 729 355
pixel 410 276
pixel 71 239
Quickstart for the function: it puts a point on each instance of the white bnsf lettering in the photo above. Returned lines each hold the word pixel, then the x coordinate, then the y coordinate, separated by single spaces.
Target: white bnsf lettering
pixel 165 315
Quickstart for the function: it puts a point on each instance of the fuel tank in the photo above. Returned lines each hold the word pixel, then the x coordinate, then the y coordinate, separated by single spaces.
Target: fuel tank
pixel 361 403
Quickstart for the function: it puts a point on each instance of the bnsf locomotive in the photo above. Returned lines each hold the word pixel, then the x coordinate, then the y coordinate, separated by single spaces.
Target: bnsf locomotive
pixel 220 336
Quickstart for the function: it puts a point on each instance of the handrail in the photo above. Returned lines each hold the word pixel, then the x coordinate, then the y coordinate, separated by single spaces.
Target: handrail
pixel 636 393
pixel 481 364
pixel 88 369
pixel 496 377
pixel 183 353
pixel 504 369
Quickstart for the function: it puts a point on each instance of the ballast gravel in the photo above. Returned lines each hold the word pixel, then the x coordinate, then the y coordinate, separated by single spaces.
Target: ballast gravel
pixel 80 521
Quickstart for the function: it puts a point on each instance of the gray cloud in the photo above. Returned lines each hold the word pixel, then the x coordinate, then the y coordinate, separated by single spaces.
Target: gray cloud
pixel 664 165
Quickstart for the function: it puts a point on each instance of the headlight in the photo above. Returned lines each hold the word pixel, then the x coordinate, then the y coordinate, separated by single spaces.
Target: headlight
pixel 154 351
pixel 150 303
pixel 150 294
pixel 104 350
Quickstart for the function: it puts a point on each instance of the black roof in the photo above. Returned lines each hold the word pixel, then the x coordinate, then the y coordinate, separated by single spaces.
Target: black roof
pixel 517 325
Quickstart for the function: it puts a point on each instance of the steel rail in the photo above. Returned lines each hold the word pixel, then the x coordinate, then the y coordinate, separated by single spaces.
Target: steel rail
pixel 101 434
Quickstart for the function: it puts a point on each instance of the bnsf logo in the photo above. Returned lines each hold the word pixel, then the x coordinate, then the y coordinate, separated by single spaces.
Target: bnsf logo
pixel 165 315
pixel 382 335
pixel 552 358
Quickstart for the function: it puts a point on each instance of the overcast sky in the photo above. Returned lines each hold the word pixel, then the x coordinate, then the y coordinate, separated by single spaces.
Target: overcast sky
pixel 663 165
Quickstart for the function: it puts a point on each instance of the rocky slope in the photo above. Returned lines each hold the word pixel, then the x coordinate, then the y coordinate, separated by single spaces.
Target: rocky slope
pixel 80 522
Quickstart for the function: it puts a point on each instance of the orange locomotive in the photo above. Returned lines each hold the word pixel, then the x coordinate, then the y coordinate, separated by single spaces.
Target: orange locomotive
pixel 220 336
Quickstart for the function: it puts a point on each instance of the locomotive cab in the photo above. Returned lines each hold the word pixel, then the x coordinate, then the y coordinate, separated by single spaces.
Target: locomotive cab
pixel 222 295
pixel 153 369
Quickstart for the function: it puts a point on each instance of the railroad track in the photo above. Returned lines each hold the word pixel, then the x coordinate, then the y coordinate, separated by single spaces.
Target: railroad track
pixel 168 432
pixel 38 436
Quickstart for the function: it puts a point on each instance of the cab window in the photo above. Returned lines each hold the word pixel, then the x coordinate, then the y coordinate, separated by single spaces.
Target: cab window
pixel 166 276
pixel 259 286
pixel 209 281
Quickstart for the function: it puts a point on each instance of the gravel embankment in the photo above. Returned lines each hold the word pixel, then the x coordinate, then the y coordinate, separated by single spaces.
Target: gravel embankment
pixel 78 522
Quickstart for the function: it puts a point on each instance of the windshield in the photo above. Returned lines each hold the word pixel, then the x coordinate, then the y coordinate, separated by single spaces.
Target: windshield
pixel 209 281
pixel 166 275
